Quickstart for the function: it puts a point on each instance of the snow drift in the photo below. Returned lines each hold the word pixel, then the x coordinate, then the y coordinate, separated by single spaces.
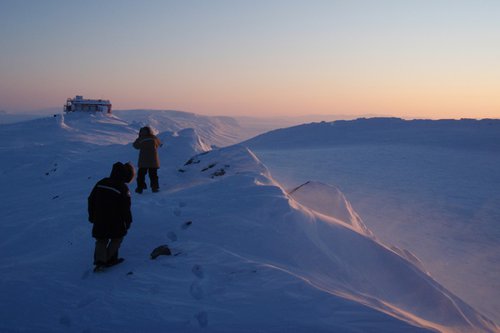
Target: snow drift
pixel 329 200
pixel 427 186
pixel 218 131
pixel 332 253
pixel 249 256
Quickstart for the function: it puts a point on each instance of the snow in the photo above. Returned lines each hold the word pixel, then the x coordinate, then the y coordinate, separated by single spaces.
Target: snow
pixel 330 201
pixel 436 197
pixel 217 131
pixel 462 134
pixel 249 254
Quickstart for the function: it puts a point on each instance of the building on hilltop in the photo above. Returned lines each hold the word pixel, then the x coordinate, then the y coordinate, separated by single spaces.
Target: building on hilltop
pixel 79 104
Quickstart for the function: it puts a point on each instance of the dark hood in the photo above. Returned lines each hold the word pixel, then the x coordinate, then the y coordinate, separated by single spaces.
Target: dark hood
pixel 122 172
pixel 145 131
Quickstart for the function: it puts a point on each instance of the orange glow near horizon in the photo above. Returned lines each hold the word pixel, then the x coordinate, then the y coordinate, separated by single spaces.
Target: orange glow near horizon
pixel 401 59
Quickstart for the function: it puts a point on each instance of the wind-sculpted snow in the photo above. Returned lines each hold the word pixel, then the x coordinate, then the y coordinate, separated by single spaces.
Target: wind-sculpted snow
pixel 437 199
pixel 329 200
pixel 247 256
pixel 323 251
pixel 181 145
pixel 96 128
pixel 214 163
pixel 121 127
pixel 218 131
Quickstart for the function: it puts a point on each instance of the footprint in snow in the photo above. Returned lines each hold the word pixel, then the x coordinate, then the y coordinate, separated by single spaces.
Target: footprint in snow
pixel 202 318
pixel 197 271
pixel 186 225
pixel 195 290
pixel 172 236
pixel 65 321
pixel 86 274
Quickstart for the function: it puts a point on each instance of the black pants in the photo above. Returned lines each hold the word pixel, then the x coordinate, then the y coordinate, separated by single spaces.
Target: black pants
pixel 153 178
pixel 106 250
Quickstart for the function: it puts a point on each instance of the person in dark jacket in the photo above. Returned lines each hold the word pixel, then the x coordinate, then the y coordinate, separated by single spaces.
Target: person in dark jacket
pixel 109 212
pixel 149 162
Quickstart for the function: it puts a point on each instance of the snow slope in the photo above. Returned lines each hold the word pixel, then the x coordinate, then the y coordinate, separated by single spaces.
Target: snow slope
pixel 429 187
pixel 330 201
pixel 219 131
pixel 462 134
pixel 248 255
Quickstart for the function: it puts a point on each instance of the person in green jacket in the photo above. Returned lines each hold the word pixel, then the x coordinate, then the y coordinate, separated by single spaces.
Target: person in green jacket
pixel 149 162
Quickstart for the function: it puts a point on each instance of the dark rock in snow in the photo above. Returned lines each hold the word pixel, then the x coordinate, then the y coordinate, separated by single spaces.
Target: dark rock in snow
pixel 198 271
pixel 210 166
pixel 193 160
pixel 160 250
pixel 218 173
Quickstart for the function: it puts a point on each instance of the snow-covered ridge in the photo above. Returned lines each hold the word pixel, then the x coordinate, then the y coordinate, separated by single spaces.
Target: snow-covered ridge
pixel 218 131
pixel 95 128
pixel 251 255
pixel 325 244
pixel 463 134
pixel 121 127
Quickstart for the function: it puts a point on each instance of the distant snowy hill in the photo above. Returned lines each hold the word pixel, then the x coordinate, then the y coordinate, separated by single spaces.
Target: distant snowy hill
pixel 466 133
pixel 218 131
pixel 260 125
pixel 248 255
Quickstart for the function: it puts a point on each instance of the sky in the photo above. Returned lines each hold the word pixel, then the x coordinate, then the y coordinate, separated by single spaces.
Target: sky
pixel 412 58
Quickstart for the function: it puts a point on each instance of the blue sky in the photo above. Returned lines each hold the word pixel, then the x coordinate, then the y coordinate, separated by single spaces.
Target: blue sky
pixel 436 59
